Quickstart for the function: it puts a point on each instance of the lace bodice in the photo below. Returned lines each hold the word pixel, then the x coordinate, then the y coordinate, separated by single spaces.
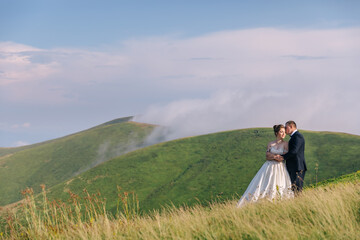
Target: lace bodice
pixel 275 150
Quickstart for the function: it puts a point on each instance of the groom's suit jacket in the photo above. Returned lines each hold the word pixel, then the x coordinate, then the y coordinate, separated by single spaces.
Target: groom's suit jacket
pixel 295 157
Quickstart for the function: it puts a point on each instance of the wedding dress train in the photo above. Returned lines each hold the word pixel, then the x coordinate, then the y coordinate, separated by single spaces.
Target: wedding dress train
pixel 272 181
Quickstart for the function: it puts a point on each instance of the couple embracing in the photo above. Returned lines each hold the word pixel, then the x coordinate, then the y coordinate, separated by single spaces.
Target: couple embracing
pixel 275 179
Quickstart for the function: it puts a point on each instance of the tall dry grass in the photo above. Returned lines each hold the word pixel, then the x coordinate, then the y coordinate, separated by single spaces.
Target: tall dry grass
pixel 330 212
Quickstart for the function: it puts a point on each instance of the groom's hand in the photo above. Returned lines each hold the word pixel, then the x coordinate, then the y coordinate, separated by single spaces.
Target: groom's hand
pixel 278 158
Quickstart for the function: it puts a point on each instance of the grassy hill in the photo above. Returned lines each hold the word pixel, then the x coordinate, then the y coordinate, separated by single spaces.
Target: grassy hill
pixel 5 151
pixel 208 167
pixel 57 160
pixel 347 178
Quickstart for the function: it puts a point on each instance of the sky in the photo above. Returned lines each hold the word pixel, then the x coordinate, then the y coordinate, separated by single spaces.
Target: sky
pixel 193 66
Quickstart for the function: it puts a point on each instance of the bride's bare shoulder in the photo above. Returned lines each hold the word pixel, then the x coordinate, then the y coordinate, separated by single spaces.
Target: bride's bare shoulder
pixel 270 144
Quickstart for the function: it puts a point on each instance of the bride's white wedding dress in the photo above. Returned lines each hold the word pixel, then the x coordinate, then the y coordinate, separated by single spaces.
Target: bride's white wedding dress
pixel 272 181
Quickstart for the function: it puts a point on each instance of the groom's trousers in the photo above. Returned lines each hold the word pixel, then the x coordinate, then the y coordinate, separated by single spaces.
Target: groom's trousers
pixel 297 180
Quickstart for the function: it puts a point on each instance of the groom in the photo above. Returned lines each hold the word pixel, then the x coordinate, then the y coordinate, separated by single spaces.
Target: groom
pixel 295 159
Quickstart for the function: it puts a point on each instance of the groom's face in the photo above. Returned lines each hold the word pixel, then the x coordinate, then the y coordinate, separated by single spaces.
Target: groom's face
pixel 287 129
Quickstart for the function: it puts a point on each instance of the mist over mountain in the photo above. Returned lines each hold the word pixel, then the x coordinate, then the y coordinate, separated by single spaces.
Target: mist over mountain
pixel 57 160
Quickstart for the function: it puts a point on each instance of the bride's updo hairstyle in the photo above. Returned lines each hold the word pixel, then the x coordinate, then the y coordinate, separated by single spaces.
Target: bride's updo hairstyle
pixel 277 128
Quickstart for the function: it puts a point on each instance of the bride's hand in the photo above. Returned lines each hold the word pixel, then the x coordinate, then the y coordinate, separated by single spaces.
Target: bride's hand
pixel 278 158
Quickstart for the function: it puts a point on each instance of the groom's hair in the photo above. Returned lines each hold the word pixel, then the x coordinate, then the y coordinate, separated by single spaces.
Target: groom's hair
pixel 291 123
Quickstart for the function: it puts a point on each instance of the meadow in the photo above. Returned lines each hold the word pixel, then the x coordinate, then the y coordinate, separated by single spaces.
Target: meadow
pixel 330 210
pixel 186 188
pixel 201 169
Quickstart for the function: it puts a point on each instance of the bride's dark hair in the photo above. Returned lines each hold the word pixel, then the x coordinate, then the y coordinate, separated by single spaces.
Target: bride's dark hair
pixel 277 128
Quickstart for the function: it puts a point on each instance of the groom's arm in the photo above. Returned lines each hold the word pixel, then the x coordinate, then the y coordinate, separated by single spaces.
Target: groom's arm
pixel 271 156
pixel 294 147
pixel 276 157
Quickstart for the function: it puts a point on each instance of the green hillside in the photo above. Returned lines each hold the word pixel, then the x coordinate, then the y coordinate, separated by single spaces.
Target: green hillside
pixel 208 167
pixel 57 160
pixel 4 151
pixel 347 178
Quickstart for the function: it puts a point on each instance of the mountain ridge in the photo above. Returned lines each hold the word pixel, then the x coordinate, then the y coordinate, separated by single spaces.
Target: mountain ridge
pixel 114 121
pixel 56 160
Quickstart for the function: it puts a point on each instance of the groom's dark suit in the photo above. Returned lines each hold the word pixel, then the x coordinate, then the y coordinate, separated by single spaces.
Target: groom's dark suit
pixel 295 161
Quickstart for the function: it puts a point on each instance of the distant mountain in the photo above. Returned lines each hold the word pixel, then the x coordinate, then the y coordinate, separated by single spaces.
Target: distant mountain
pixel 4 151
pixel 208 167
pixel 57 160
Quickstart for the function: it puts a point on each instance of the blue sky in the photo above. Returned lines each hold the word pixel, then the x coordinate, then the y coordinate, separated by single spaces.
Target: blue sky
pixel 89 23
pixel 69 65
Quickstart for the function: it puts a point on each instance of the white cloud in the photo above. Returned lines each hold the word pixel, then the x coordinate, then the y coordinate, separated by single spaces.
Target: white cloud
pixel 21 143
pixel 225 59
pixel 224 80
pixel 17 67
pixel 236 109
pixel 273 76
pixel 23 125
pixel 41 76
pixel 225 110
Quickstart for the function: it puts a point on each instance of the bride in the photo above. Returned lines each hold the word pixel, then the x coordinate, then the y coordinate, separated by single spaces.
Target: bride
pixel 272 181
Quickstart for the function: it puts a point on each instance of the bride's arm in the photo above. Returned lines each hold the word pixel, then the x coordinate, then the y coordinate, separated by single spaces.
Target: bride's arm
pixel 269 155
